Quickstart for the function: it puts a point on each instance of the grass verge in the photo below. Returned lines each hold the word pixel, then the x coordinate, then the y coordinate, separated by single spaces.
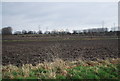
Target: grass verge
pixel 59 69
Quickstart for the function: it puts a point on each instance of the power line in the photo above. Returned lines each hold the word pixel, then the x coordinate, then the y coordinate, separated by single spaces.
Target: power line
pixel 103 24
pixel 39 27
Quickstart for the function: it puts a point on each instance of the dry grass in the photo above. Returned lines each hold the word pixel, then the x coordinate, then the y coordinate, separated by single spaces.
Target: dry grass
pixel 56 69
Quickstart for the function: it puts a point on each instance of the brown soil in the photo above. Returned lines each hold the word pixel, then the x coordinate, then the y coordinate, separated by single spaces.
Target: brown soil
pixel 34 52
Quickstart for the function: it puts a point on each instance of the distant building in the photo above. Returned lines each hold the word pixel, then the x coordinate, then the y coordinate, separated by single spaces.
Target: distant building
pixel 95 30
pixel 76 31
pixel 115 29
pixel 17 33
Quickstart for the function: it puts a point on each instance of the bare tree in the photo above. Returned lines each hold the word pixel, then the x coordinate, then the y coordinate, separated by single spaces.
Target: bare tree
pixel 30 32
pixel 24 32
pixel 7 31
pixel 75 32
pixel 47 32
pixel 39 32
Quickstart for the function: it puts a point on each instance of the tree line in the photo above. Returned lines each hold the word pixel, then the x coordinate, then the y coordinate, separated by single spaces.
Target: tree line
pixel 94 31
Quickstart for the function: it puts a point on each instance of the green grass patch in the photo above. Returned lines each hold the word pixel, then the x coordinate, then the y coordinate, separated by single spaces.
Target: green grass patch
pixel 94 72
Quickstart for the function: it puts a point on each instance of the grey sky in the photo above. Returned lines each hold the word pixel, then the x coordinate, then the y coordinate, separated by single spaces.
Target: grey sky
pixel 58 15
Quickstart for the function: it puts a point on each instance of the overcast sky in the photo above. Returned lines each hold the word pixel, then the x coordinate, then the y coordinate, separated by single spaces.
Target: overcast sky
pixel 58 15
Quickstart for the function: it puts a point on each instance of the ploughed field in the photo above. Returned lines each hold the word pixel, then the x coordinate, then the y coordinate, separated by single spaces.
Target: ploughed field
pixel 34 49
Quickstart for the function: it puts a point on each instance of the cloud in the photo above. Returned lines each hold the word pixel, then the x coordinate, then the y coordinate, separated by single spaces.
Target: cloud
pixel 60 0
pixel 0 14
pixel 54 15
